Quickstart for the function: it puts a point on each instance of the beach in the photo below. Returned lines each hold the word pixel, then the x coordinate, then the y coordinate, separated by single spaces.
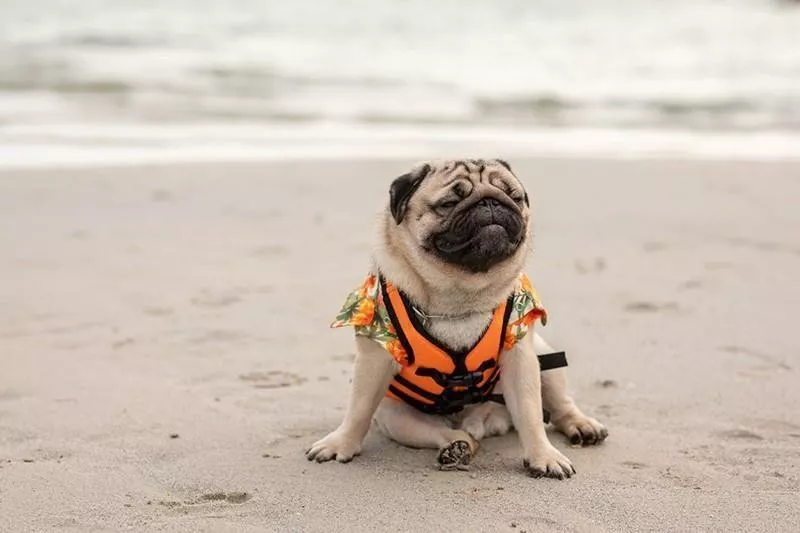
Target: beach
pixel 165 356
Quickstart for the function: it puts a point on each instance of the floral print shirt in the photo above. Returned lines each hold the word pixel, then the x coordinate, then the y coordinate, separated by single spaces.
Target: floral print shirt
pixel 365 311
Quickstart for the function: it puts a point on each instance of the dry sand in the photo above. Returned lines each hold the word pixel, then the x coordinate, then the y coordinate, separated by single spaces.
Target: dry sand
pixel 165 356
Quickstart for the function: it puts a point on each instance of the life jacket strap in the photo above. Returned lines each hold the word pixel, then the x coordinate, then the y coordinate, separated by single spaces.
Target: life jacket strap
pixel 551 361
pixel 547 361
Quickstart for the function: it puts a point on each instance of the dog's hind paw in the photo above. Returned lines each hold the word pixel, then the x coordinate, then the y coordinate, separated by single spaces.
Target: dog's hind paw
pixel 581 430
pixel 455 456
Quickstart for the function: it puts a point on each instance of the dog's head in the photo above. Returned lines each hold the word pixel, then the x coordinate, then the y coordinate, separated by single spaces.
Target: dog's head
pixel 469 214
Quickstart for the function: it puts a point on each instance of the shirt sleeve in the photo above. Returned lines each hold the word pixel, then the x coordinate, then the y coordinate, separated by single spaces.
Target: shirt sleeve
pixel 527 309
pixel 365 312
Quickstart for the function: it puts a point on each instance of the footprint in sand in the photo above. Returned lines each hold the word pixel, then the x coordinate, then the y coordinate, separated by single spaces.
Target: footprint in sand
pixel 607 384
pixel 597 265
pixel 270 250
pixel 346 357
pixel 766 358
pixel 273 379
pixel 212 497
pixel 691 284
pixel 634 465
pixel 208 299
pixel 763 246
pixel 234 295
pixel 158 311
pixel 161 195
pixel 650 307
pixel 739 434
pixel 718 265
pixel 9 394
pixel 654 246
pixel 79 235
pixel 220 336
pixel 127 341
pixel 780 426
pixel 227 497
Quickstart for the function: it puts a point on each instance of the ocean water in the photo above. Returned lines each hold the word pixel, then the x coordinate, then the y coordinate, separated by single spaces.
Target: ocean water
pixel 183 79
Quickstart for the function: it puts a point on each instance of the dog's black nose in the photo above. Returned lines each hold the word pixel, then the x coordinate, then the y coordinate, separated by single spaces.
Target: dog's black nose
pixel 489 202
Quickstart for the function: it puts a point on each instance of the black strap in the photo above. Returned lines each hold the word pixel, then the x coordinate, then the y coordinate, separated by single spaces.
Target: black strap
pixel 547 361
pixel 413 388
pixel 410 400
pixel 551 361
pixel 436 408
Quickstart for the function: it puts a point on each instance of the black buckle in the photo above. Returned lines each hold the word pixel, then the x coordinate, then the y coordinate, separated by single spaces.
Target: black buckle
pixel 464 380
pixel 453 401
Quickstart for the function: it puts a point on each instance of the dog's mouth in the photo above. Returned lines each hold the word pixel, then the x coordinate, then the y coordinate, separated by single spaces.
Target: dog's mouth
pixel 480 237
pixel 490 234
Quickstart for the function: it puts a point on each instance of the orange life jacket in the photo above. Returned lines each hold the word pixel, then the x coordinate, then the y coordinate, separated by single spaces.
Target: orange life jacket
pixel 437 380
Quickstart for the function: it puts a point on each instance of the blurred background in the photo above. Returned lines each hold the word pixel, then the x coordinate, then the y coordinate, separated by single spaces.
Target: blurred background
pixel 153 80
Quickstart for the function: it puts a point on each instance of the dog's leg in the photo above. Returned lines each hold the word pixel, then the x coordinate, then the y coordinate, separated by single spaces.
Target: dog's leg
pixel 521 381
pixel 406 425
pixel 564 414
pixel 486 419
pixel 374 370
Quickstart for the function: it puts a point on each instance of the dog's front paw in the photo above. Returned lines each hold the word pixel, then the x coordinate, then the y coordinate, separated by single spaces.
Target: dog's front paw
pixel 548 462
pixel 581 430
pixel 339 445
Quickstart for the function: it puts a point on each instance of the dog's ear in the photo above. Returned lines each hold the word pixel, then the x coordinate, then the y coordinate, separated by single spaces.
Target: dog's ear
pixel 403 188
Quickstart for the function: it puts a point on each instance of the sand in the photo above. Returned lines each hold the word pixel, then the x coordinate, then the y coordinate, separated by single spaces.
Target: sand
pixel 165 356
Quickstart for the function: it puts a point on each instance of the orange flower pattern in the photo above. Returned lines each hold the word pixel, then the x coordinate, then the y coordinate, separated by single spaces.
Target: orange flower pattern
pixel 365 312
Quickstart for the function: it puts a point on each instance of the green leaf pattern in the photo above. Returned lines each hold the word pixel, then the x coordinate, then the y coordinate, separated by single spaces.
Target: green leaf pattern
pixel 368 297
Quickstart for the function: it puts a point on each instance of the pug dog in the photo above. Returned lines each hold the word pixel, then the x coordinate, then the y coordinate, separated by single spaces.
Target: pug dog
pixel 453 240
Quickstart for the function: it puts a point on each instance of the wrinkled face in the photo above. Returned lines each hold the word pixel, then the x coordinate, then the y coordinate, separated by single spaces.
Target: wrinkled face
pixel 469 213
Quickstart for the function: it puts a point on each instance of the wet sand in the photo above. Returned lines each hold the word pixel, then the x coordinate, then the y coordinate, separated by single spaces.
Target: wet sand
pixel 165 356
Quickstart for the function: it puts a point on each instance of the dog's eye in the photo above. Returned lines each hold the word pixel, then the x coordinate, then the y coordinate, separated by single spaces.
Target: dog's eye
pixel 448 204
pixel 517 198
